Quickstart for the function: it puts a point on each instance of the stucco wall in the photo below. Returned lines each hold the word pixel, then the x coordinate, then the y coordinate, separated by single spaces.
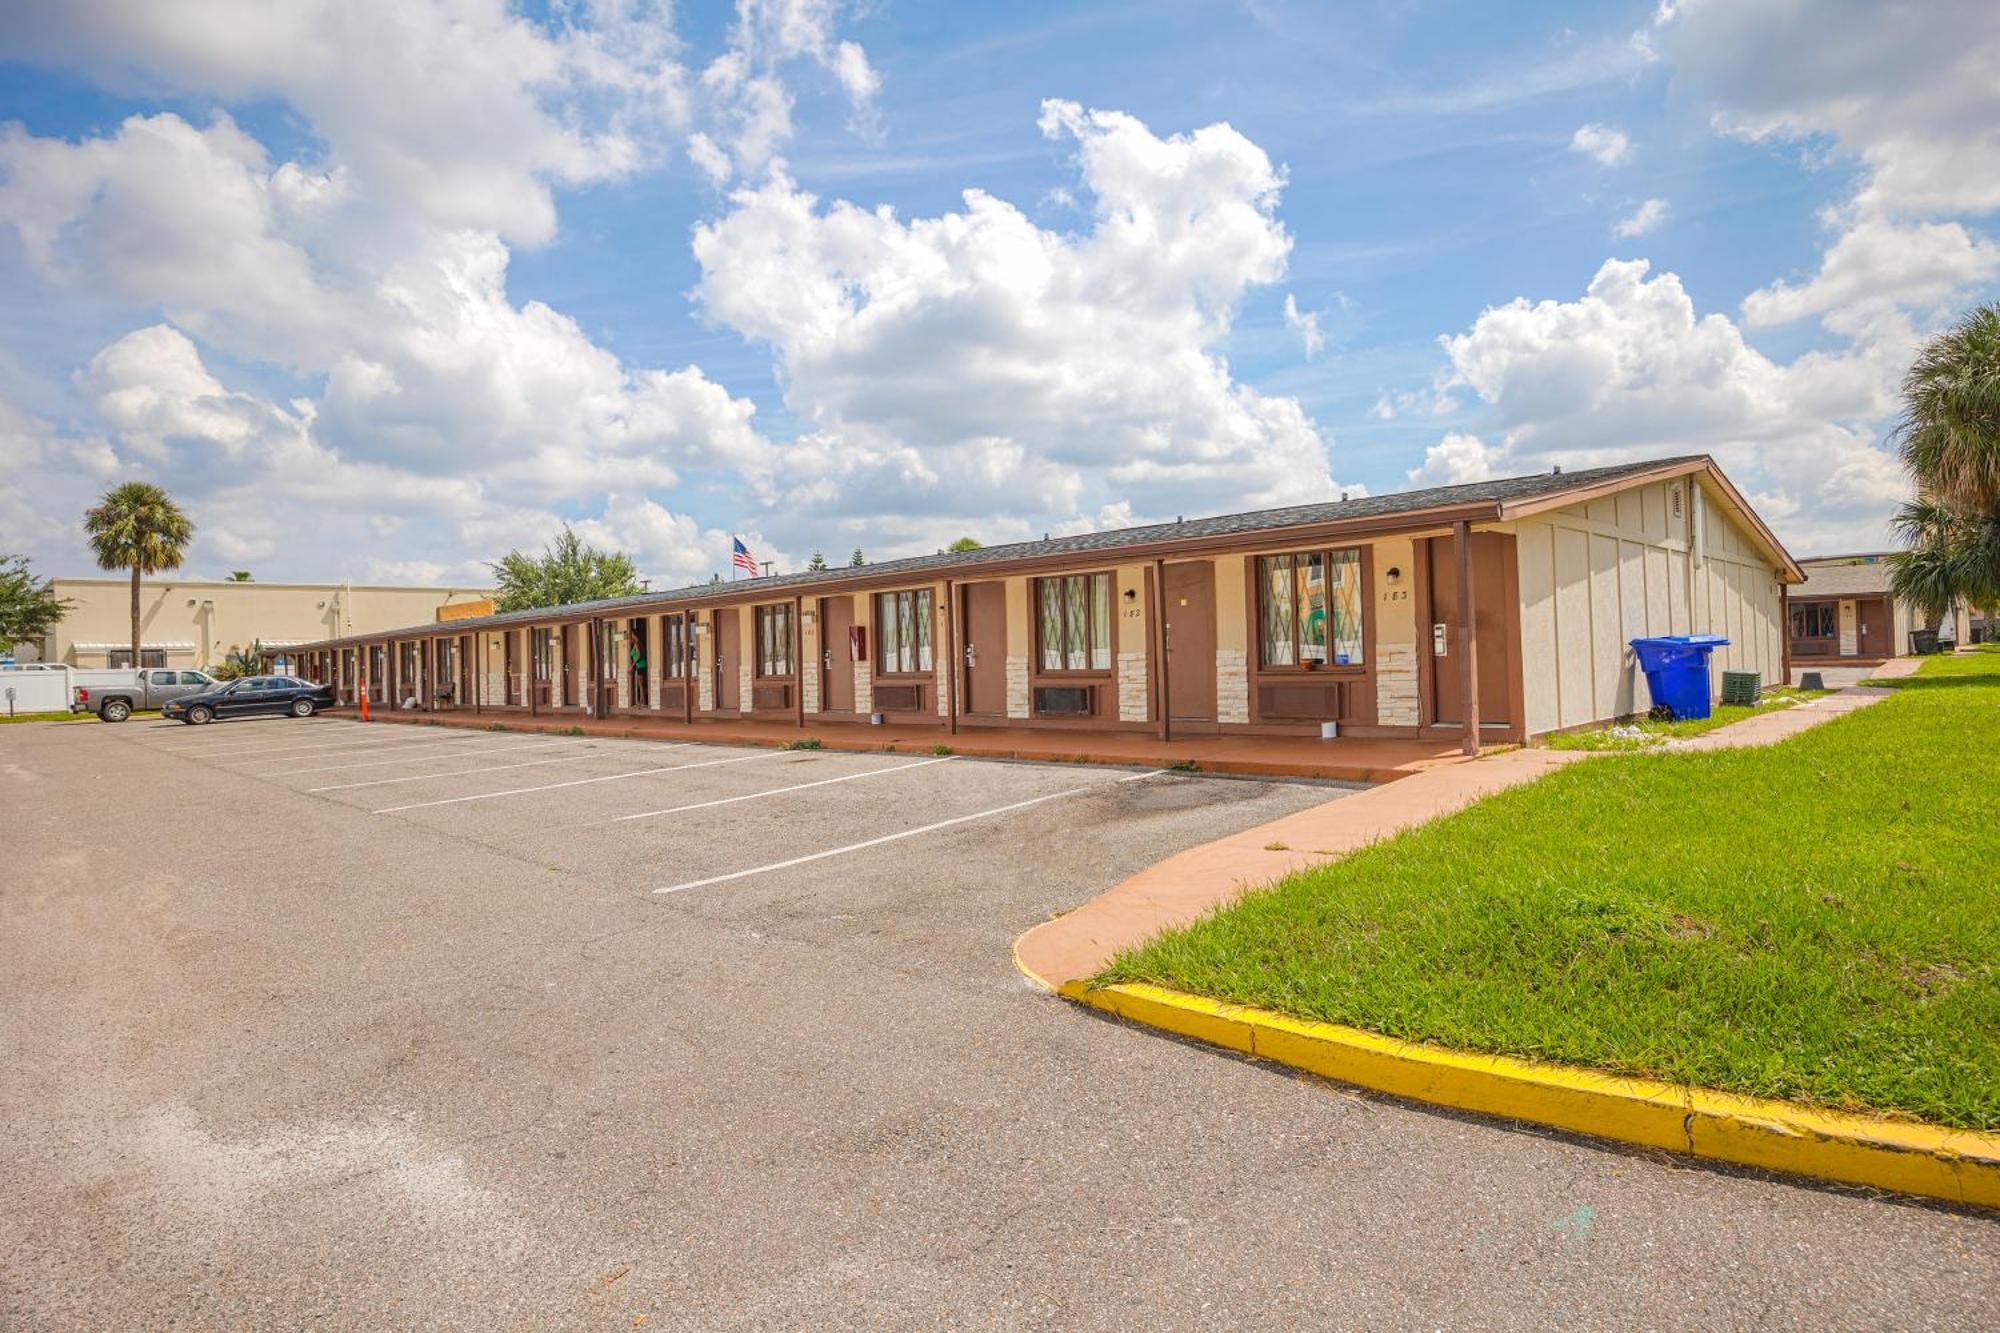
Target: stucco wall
pixel 1658 559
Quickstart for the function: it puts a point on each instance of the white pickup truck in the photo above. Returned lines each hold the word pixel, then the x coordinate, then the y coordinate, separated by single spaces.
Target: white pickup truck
pixel 115 694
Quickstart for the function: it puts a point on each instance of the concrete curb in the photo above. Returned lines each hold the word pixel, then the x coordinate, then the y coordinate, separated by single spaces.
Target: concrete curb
pixel 1961 1166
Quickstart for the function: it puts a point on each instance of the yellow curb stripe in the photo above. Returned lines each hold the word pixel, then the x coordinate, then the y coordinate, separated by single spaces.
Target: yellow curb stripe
pixel 1962 1166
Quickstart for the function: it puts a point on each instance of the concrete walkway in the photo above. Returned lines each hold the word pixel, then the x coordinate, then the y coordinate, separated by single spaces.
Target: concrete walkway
pixel 1348 759
pixel 1185 887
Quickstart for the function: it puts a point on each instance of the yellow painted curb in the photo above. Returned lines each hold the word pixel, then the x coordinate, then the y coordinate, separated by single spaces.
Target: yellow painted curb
pixel 1962 1166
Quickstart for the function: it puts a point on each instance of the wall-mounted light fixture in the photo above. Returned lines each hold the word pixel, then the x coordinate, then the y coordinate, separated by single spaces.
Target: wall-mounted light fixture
pixel 1394 573
pixel 1131 594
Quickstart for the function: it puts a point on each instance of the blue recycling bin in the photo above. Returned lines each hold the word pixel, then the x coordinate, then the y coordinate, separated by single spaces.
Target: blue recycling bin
pixel 1676 667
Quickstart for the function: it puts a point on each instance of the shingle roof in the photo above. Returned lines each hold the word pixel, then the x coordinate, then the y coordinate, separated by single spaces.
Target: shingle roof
pixel 1844 576
pixel 1499 491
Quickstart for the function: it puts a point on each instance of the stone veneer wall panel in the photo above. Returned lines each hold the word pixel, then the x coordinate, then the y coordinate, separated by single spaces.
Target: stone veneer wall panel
pixel 1232 685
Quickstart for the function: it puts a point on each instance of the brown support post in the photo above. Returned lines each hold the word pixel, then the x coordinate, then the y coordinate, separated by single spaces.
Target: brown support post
pixel 951 655
pixel 533 664
pixel 799 657
pixel 1468 643
pixel 1785 630
pixel 1159 641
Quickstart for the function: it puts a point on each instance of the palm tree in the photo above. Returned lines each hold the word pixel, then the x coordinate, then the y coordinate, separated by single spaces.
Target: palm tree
pixel 1949 440
pixel 1949 437
pixel 138 526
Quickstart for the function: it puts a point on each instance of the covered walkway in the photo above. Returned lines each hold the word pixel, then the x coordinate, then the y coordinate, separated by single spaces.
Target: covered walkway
pixel 1348 759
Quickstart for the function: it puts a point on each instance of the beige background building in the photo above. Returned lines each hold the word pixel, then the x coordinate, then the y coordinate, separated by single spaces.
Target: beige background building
pixel 197 623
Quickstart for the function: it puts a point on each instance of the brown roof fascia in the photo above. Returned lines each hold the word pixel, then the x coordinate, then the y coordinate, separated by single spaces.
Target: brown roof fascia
pixel 1704 465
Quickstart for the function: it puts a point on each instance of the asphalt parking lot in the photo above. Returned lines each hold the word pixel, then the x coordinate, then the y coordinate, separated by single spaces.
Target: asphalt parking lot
pixel 312 1024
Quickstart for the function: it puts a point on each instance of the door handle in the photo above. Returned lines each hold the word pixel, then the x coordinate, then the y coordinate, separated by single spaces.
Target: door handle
pixel 826 659
pixel 1440 640
pixel 971 654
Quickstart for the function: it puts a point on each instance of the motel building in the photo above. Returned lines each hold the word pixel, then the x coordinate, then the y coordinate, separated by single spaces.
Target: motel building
pixel 1846 615
pixel 1485 613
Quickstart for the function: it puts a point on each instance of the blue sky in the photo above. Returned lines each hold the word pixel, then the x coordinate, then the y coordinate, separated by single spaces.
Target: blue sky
pixel 382 290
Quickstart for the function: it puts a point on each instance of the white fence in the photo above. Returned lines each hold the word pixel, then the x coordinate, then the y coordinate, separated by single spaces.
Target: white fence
pixel 35 691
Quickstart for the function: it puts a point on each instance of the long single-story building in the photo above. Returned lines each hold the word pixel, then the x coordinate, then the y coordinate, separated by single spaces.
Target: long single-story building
pixel 1491 612
pixel 1845 613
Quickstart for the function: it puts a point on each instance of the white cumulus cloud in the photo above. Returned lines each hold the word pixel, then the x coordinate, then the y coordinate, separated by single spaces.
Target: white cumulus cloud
pixel 1607 145
pixel 1642 219
pixel 976 364
pixel 1629 370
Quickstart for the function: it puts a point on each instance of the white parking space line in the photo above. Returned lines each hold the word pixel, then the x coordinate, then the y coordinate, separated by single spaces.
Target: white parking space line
pixel 579 782
pixel 775 791
pixel 898 837
pixel 464 772
pixel 470 752
pixel 385 746
pixel 278 749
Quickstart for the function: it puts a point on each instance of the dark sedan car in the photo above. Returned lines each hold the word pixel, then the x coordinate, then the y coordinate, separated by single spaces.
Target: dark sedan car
pixel 250 697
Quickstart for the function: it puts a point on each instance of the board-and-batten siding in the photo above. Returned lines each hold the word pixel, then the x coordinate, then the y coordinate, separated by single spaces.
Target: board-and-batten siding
pixel 1597 575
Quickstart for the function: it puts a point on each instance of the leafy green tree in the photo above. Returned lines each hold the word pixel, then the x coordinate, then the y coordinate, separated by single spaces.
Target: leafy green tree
pixel 29 607
pixel 855 561
pixel 964 544
pixel 1949 441
pixel 817 563
pixel 568 570
pixel 239 576
pixel 137 526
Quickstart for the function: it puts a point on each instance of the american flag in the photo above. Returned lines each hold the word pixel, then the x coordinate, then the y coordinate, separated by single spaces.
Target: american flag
pixel 741 559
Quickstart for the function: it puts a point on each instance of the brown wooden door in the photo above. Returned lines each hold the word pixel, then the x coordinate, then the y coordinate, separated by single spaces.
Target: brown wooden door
pixel 727 656
pixel 1871 615
pixel 605 651
pixel 572 666
pixel 1490 552
pixel 836 656
pixel 985 650
pixel 1190 597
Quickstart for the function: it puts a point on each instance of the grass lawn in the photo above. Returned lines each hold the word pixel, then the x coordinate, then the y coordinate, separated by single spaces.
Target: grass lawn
pixel 1641 733
pixel 1817 920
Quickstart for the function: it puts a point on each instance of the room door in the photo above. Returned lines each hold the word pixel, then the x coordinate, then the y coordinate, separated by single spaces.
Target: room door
pixel 1871 615
pixel 728 655
pixel 985 650
pixel 1490 551
pixel 604 634
pixel 574 645
pixel 1190 625
pixel 836 655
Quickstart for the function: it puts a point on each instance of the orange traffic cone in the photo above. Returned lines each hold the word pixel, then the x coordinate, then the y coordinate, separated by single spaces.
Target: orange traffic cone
pixel 364 698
